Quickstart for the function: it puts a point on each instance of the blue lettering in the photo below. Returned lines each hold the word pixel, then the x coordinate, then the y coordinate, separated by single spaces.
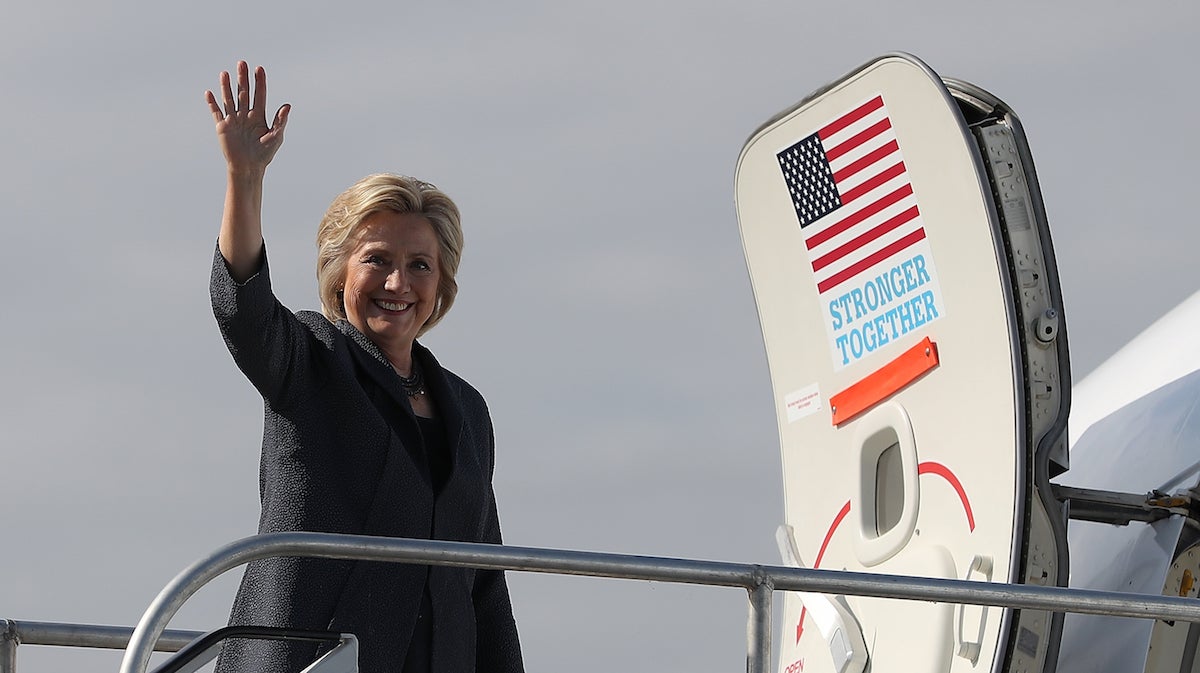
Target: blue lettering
pixel 891 318
pixel 880 333
pixel 871 294
pixel 922 274
pixel 910 283
pixel 859 309
pixel 856 345
pixel 918 311
pixel 930 306
pixel 841 344
pixel 897 279
pixel 883 289
pixel 871 304
pixel 906 318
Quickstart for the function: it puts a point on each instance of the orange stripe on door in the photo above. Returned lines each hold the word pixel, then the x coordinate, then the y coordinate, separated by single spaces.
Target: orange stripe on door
pixel 884 381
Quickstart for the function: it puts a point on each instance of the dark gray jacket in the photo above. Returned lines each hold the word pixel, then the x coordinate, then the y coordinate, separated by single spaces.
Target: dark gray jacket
pixel 342 452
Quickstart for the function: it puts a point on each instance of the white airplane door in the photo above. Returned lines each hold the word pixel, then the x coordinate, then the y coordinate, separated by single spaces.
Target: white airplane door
pixel 907 298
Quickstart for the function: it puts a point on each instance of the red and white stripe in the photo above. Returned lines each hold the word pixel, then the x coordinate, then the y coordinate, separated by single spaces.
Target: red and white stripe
pixel 879 217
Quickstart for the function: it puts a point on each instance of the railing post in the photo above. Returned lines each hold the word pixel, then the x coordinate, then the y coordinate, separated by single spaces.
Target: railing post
pixel 8 648
pixel 758 629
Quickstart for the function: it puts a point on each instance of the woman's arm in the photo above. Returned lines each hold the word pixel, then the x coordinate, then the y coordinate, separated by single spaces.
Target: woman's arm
pixel 249 145
pixel 265 339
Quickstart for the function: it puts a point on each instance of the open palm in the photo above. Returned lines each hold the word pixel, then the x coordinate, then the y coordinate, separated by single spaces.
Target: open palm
pixel 246 139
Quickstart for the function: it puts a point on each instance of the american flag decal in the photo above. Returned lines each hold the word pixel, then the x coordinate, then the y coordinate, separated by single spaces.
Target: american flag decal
pixel 852 194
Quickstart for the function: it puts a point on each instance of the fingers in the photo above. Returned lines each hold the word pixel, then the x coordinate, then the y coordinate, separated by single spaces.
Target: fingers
pixel 241 103
pixel 243 84
pixel 281 117
pixel 260 88
pixel 275 135
pixel 227 94
pixel 213 106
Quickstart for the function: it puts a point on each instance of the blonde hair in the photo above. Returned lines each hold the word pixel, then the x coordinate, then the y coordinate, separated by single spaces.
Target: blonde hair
pixel 338 233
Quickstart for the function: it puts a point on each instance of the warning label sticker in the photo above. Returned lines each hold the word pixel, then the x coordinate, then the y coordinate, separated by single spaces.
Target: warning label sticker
pixel 804 402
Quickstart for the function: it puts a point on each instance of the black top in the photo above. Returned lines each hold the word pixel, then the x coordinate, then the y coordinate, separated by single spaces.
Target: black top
pixel 437 453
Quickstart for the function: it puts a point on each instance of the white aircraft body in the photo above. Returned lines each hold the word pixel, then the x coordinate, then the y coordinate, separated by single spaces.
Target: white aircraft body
pixel 1135 427
pixel 912 317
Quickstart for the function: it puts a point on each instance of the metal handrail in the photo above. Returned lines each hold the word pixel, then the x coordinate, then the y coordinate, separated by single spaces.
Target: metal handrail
pixel 760 581
pixel 89 635
pixel 23 632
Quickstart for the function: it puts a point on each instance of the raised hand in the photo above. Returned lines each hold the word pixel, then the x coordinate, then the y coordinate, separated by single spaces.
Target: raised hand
pixel 249 145
pixel 248 142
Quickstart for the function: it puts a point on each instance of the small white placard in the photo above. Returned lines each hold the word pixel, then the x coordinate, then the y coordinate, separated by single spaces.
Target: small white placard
pixel 803 402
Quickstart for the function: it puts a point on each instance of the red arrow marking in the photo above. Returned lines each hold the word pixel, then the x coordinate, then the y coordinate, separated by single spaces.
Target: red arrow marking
pixel 929 467
pixel 945 473
pixel 837 521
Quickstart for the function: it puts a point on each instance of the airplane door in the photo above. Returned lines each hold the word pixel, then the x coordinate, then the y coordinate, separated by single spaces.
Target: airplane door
pixel 910 310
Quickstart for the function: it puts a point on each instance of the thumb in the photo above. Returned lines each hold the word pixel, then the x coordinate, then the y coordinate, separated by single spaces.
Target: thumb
pixel 281 117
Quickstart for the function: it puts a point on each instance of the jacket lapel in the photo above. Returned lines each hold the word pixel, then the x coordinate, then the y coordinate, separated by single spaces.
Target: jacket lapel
pixel 446 399
pixel 373 361
pixel 449 406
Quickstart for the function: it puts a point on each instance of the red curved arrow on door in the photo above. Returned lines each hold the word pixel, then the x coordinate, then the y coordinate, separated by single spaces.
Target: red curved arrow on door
pixel 928 467
pixel 945 473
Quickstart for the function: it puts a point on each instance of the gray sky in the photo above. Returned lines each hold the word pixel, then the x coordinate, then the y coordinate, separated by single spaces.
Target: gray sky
pixel 605 309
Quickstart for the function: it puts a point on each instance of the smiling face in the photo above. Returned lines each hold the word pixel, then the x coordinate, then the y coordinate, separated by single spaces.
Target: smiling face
pixel 391 281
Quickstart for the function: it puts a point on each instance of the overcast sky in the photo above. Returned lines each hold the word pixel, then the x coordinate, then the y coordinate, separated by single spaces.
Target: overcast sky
pixel 605 310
